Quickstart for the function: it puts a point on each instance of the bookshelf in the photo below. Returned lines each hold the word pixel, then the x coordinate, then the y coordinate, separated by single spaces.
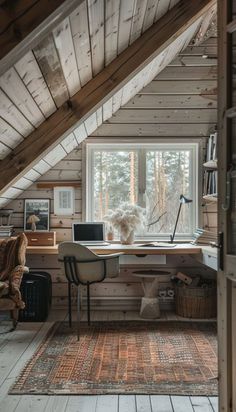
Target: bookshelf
pixel 210 185
pixel 6 229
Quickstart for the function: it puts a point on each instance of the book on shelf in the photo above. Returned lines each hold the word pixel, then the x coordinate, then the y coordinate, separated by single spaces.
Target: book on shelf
pixel 210 174
pixel 6 230
pixel 211 147
pixel 210 185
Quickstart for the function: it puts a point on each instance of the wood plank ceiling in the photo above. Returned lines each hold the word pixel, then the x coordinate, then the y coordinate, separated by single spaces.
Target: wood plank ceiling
pixel 79 48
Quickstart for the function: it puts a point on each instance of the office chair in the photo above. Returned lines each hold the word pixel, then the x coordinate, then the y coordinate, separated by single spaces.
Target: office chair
pixel 83 267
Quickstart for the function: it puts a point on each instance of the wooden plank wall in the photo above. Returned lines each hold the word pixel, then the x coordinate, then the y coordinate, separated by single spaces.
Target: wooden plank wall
pixel 181 101
pixel 68 169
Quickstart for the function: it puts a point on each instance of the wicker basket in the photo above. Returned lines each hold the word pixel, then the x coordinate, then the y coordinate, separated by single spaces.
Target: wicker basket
pixel 195 302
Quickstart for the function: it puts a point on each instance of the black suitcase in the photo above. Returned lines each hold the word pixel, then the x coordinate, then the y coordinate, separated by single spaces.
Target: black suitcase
pixel 47 276
pixel 36 290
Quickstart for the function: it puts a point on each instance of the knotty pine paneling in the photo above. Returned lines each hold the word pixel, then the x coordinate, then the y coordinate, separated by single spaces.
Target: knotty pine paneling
pixel 210 215
pixel 184 98
pixel 68 169
pixel 180 102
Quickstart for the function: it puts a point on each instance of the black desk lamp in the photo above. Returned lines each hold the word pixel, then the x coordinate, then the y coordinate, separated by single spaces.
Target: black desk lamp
pixel 182 200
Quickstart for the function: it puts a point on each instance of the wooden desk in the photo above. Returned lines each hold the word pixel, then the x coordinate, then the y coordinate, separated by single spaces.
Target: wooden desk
pixel 183 248
pixel 125 292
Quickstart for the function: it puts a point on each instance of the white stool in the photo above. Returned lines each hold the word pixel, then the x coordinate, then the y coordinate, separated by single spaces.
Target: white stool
pixel 150 308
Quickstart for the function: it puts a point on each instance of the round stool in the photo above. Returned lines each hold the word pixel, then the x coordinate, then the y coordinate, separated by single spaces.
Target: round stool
pixel 150 308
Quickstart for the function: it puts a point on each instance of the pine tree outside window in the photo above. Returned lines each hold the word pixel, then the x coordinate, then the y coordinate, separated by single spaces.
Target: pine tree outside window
pixel 152 176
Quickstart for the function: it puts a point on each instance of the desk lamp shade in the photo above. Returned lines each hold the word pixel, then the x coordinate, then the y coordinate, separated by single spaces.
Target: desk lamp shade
pixel 182 200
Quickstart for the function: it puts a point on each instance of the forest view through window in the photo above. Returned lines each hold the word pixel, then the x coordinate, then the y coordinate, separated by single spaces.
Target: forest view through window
pixel 152 176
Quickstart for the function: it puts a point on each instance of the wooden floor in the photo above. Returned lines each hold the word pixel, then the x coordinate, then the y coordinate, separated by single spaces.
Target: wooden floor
pixel 18 346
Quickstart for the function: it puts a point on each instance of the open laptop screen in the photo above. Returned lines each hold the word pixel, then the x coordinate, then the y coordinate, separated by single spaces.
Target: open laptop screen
pixel 88 231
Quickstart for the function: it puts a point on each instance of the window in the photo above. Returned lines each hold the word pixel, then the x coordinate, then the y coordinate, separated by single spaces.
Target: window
pixel 152 176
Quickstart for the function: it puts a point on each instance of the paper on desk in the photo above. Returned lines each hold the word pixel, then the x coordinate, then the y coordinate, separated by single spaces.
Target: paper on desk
pixel 158 244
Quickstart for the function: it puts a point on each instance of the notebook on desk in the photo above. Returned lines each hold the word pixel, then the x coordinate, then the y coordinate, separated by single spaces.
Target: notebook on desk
pixel 89 233
pixel 158 244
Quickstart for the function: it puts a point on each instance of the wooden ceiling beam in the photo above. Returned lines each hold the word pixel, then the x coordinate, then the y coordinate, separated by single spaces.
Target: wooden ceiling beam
pixel 24 23
pixel 101 88
pixel 208 27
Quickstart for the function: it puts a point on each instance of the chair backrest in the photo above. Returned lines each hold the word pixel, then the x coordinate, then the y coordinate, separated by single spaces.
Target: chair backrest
pixel 81 265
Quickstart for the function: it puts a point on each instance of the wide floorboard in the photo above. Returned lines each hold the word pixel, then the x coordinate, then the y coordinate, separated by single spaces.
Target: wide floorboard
pixel 18 346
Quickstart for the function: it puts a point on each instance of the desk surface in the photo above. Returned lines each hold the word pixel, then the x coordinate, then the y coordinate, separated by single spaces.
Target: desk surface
pixel 183 248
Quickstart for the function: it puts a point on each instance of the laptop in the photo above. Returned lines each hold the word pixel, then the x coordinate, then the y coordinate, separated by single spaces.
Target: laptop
pixel 89 233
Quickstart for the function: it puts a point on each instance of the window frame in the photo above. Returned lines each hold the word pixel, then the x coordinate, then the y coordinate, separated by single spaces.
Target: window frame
pixel 196 174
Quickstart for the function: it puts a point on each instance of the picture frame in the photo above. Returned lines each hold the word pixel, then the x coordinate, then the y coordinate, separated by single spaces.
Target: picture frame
pixel 64 200
pixel 36 215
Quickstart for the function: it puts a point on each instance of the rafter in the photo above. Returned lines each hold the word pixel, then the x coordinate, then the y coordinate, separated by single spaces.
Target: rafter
pixel 24 23
pixel 101 88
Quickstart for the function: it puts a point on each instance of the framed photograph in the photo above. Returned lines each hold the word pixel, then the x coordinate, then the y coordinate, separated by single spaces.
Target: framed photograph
pixel 64 200
pixel 36 214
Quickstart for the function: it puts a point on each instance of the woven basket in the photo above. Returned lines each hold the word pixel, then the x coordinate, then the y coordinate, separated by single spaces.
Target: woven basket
pixel 195 302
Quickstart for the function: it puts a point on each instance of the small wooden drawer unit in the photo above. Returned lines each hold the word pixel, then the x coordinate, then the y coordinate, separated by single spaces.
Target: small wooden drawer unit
pixel 41 238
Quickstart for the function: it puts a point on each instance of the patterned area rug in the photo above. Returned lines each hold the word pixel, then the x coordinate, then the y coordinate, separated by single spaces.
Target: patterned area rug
pixel 124 357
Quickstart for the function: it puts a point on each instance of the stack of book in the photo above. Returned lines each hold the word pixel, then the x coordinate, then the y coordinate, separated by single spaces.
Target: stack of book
pixel 210 183
pixel 210 177
pixel 204 237
pixel 211 147
pixel 6 231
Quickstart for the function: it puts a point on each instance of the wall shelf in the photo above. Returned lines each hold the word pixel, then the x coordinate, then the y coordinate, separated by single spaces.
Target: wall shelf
pixel 51 185
pixel 210 198
pixel 210 164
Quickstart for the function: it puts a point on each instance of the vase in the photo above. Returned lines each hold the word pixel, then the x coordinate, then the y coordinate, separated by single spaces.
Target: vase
pixel 127 240
pixel 110 235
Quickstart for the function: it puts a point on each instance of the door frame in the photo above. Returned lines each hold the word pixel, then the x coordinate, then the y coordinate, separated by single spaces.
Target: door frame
pixel 226 276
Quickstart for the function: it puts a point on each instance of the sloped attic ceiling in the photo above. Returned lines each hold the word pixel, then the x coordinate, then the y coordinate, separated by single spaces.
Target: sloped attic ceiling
pixel 50 75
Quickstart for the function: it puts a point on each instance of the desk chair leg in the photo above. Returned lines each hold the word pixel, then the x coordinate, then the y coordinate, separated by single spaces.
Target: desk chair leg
pixel 78 312
pixel 69 303
pixel 88 303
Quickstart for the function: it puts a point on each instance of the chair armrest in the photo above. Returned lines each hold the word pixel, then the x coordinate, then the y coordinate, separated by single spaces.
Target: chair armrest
pixel 110 256
pixel 16 274
pixel 14 285
pixel 97 258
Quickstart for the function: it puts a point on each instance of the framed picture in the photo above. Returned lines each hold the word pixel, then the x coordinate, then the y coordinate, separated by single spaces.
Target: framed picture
pixel 36 214
pixel 64 200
